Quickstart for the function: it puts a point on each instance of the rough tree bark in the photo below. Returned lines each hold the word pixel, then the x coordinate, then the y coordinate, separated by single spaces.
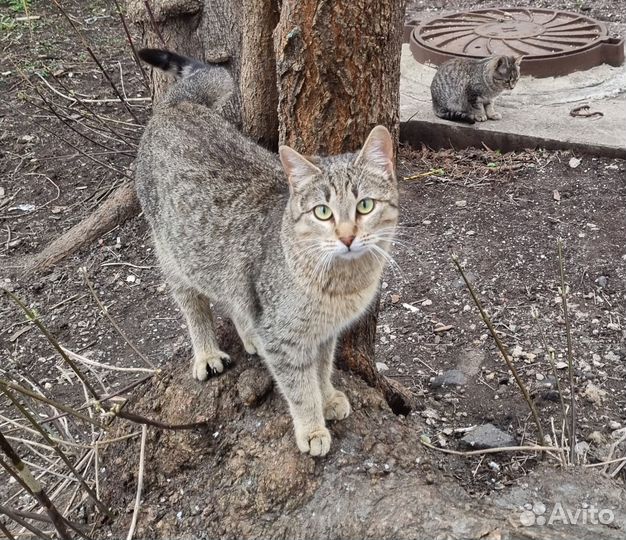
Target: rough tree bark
pixel 338 69
pixel 258 72
pixel 338 66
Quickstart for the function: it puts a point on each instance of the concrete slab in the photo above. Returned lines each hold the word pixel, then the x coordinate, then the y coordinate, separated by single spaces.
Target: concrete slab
pixel 536 114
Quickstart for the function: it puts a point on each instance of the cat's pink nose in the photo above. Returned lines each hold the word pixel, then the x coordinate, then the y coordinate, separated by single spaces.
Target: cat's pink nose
pixel 347 240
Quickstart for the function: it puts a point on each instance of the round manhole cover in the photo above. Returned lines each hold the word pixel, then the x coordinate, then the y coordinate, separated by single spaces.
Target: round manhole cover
pixel 552 42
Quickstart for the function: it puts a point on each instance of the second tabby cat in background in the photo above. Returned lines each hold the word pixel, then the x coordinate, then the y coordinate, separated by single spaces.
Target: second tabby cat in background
pixel 464 89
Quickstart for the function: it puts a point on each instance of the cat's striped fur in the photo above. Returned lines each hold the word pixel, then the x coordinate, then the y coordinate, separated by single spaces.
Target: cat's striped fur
pixel 464 89
pixel 234 226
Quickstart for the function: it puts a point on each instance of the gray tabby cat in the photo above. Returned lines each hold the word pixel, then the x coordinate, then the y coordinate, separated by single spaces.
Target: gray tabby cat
pixel 292 261
pixel 464 89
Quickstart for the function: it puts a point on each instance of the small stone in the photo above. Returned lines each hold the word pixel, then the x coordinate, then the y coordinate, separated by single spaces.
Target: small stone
pixel 611 357
pixel 430 414
pixel 253 385
pixel 453 377
pixel 602 281
pixel 427 302
pixel 488 436
pixel 593 393
pixel 574 162
pixel 381 366
pixel 395 298
pixel 596 437
pixel 561 365
pixel 440 328
pixel 613 425
pixel 131 279
pixel 461 204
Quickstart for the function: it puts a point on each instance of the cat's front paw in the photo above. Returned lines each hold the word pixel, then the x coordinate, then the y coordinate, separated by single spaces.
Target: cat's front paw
pixel 480 117
pixel 249 346
pixel 337 407
pixel 315 442
pixel 210 364
pixel 495 116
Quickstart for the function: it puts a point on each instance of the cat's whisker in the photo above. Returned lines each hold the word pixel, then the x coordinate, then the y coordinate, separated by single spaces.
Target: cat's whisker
pixel 392 262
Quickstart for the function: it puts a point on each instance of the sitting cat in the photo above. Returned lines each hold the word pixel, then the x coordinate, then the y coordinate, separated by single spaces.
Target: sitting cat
pixel 464 89
pixel 292 254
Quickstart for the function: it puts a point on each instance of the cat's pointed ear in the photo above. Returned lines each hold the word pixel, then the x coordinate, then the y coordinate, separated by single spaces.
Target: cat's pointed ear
pixel 297 168
pixel 377 151
pixel 518 60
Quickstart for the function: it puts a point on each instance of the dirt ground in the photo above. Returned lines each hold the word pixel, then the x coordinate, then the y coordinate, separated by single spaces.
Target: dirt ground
pixel 502 214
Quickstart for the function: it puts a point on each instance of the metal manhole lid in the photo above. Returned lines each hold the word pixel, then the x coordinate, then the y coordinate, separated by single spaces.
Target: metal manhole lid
pixel 562 41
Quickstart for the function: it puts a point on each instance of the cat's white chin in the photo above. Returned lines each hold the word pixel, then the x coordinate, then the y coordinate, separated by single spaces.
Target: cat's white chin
pixel 351 254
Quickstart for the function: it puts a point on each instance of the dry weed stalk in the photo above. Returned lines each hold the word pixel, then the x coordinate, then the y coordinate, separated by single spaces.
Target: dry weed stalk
pixel 570 356
pixel 502 349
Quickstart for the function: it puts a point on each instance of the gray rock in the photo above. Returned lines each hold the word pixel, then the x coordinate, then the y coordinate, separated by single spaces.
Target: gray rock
pixel 253 385
pixel 487 436
pixel 454 377
pixel 602 281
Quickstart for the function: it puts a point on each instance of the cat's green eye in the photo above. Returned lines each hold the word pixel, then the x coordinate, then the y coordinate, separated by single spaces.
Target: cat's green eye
pixel 365 206
pixel 322 212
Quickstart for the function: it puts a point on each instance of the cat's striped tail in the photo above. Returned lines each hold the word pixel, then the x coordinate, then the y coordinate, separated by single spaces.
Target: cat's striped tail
pixel 170 62
pixel 455 116
pixel 206 84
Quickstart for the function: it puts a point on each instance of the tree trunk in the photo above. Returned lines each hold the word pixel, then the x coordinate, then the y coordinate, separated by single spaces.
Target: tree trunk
pixel 338 68
pixel 258 72
pixel 238 32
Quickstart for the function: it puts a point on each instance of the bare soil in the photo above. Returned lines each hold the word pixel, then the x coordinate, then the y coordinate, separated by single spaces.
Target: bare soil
pixel 501 214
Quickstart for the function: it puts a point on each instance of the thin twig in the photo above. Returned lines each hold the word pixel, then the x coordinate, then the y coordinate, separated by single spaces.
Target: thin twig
pixel 6 531
pixel 69 410
pixel 79 150
pixel 138 419
pixel 23 475
pixel 570 357
pixel 12 515
pixel 142 453
pixel 58 451
pixel 51 339
pixel 155 26
pixel 502 349
pixel 132 45
pixel 87 100
pixel 493 450
pixel 96 60
pixel 89 362
pixel 550 354
pixel 90 404
pixel 105 312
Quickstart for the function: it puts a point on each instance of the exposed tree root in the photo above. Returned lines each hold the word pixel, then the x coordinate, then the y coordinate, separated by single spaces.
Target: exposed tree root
pixel 116 210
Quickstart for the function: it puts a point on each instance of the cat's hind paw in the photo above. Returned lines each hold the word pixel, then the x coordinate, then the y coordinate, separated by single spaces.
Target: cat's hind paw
pixel 337 407
pixel 210 365
pixel 315 442
pixel 480 117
